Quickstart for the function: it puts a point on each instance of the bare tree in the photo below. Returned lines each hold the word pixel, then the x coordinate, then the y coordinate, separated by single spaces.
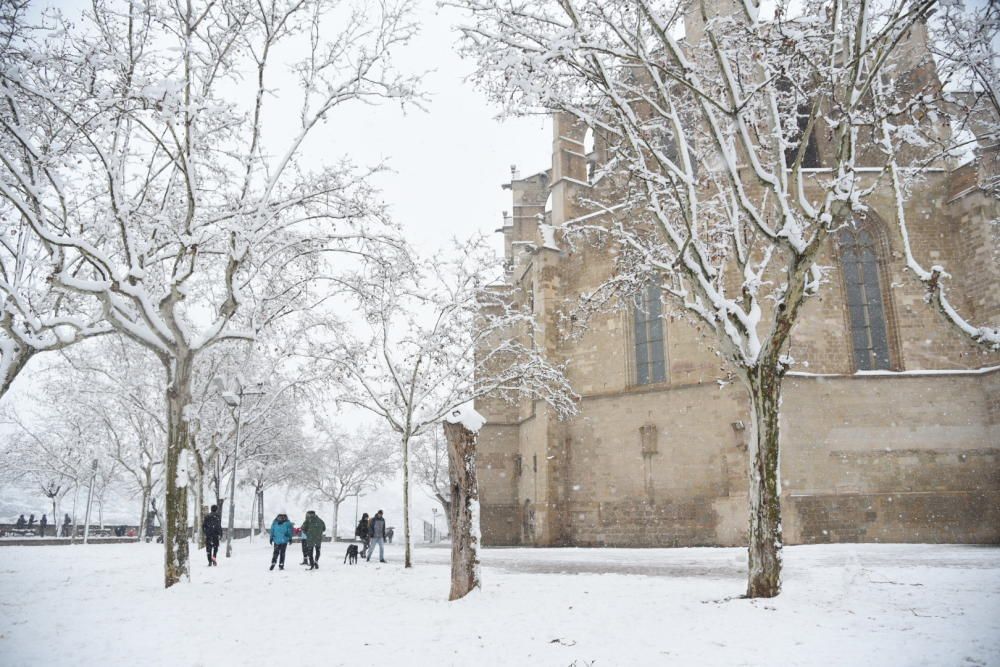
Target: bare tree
pixel 165 201
pixel 727 161
pixel 33 317
pixel 430 468
pixel 966 92
pixel 435 338
pixel 343 465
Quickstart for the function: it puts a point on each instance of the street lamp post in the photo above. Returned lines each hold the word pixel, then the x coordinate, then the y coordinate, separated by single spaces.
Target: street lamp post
pixel 90 499
pixel 237 405
pixel 235 401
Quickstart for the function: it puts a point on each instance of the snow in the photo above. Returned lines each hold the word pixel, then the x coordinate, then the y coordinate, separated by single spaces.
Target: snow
pixel 842 604
pixel 467 416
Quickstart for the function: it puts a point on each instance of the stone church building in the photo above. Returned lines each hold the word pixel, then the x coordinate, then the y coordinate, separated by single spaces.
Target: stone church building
pixel 890 418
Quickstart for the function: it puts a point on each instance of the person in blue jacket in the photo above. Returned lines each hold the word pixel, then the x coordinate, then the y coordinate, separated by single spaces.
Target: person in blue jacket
pixel 281 534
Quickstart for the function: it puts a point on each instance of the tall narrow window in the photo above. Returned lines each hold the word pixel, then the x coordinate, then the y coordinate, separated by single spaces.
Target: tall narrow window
pixel 865 305
pixel 650 362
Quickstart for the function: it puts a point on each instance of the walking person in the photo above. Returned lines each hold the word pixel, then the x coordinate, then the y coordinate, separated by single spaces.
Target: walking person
pixel 313 528
pixel 42 523
pixel 305 546
pixel 67 522
pixel 282 531
pixel 376 530
pixel 211 528
pixel 361 532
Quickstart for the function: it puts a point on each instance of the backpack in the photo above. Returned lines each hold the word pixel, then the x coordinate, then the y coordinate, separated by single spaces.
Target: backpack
pixel 212 525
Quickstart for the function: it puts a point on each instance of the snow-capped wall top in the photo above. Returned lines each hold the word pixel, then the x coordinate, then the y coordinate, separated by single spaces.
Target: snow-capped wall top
pixel 467 417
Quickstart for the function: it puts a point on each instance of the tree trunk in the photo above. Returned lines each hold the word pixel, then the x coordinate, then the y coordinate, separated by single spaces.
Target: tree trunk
pixel 336 516
pixel 764 383
pixel 142 515
pixel 175 540
pixel 407 538
pixel 76 496
pixel 260 511
pixel 464 510
pixel 199 495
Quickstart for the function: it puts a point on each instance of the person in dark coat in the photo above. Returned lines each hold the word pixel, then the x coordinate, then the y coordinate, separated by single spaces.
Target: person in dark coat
pixel 31 521
pixel 361 532
pixel 66 524
pixel 313 528
pixel 282 531
pixel 376 530
pixel 211 527
pixel 388 535
pixel 21 522
pixel 42 523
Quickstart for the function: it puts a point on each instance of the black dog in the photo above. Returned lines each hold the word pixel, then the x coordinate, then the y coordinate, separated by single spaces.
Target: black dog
pixel 352 554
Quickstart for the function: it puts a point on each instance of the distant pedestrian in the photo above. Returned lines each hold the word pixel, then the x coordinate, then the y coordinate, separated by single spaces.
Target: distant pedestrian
pixel 388 535
pixel 376 530
pixel 301 534
pixel 313 528
pixel 211 527
pixel 42 523
pixel 361 532
pixel 31 521
pixel 21 522
pixel 282 531
pixel 66 524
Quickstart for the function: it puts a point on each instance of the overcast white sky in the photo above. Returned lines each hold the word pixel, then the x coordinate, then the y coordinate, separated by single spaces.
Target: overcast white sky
pixel 449 162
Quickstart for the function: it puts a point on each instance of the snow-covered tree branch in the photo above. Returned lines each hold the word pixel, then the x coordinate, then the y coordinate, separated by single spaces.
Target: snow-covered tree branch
pixel 158 188
pixel 434 338
pixel 732 148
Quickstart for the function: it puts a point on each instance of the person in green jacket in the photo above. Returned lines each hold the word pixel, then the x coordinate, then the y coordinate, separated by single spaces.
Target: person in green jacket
pixel 313 528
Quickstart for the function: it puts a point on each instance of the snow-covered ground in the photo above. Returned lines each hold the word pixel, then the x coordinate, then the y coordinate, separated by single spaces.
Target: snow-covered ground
pixel 842 605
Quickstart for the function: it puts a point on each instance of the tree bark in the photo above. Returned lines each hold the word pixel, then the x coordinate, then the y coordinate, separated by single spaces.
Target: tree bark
pixel 260 511
pixel 336 516
pixel 765 543
pixel 199 498
pixel 142 515
pixel 176 566
pixel 464 510
pixel 407 555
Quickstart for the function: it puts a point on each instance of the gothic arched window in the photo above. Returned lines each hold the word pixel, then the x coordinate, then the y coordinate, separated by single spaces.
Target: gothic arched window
pixel 649 343
pixel 863 292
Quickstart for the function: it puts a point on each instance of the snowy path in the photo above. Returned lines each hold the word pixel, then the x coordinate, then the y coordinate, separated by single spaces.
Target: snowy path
pixel 843 605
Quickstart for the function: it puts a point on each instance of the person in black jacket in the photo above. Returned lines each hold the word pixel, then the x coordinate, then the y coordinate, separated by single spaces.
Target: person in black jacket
pixel 44 521
pixel 376 530
pixel 211 526
pixel 361 532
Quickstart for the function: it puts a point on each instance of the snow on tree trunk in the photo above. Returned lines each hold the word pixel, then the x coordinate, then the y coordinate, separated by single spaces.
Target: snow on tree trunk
pixel 764 580
pixel 407 557
pixel 464 519
pixel 178 436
